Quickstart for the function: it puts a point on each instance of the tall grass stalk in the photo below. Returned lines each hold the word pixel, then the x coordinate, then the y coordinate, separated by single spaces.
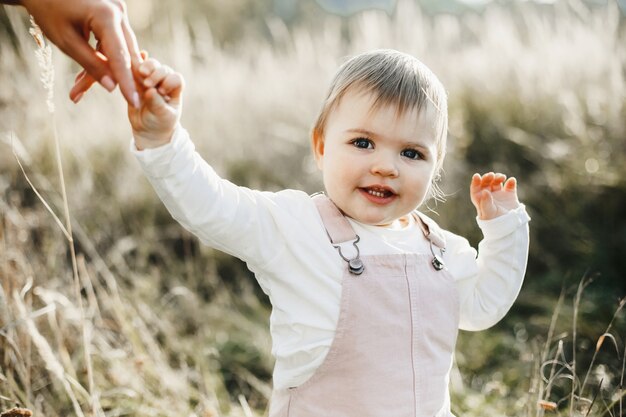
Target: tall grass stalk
pixel 44 58
pixel 606 335
pixel 48 356
pixel 37 193
pixel 621 382
pixel 575 382
pixel 577 401
pixel 541 391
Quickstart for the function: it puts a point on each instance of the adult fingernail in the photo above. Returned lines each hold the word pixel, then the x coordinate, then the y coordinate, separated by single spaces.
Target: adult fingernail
pixel 136 100
pixel 108 83
pixel 77 98
pixel 144 70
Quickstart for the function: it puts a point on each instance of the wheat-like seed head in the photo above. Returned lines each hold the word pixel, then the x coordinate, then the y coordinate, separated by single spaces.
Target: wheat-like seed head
pixel 44 59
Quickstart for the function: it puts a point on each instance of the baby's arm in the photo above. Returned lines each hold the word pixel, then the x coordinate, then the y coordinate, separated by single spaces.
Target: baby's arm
pixel 489 284
pixel 493 195
pixel 248 224
pixel 160 95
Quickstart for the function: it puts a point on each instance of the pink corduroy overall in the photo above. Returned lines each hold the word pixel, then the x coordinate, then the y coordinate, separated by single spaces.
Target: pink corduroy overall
pixel 392 351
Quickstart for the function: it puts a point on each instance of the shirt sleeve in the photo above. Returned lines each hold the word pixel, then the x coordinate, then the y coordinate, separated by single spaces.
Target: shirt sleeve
pixel 233 219
pixel 489 283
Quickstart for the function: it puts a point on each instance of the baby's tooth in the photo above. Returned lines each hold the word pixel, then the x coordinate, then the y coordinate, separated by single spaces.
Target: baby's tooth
pixel 376 193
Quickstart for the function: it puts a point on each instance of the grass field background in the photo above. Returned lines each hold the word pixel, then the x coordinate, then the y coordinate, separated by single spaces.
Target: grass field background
pixel 153 323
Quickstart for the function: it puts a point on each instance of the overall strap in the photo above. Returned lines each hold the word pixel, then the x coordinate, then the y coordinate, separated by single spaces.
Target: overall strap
pixel 337 226
pixel 339 230
pixel 431 230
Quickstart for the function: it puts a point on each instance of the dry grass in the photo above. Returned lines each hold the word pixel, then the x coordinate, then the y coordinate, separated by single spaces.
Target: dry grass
pixel 558 370
pixel 143 321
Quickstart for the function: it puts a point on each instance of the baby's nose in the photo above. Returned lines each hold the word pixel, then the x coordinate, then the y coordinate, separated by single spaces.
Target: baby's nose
pixel 385 166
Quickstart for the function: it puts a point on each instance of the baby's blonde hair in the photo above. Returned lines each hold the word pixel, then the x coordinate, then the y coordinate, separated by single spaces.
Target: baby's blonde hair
pixel 394 78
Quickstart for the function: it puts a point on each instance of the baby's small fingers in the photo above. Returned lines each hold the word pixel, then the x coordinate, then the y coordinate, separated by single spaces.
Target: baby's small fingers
pixel 154 101
pixel 499 177
pixel 157 76
pixel 486 198
pixel 475 183
pixel 148 66
pixel 172 81
pixel 136 65
pixel 497 182
pixel 510 184
pixel 487 179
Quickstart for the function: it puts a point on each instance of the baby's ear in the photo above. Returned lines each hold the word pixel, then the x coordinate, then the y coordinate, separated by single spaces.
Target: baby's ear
pixel 317 143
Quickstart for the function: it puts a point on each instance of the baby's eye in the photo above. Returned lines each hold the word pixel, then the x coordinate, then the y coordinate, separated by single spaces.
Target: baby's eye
pixel 363 143
pixel 412 154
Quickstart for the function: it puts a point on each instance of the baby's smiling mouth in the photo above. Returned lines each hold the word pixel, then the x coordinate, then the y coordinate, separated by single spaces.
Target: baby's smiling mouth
pixel 379 191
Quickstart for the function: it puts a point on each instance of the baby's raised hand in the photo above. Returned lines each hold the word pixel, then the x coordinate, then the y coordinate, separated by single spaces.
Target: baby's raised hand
pixel 160 93
pixel 493 195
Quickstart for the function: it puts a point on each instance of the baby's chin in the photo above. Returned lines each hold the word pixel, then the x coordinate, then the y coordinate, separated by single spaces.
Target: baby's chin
pixel 394 223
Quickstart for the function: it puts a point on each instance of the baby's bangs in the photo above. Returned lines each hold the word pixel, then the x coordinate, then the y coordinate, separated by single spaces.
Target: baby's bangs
pixel 395 79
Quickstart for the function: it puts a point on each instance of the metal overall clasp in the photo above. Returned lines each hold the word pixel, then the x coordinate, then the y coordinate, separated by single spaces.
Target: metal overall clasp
pixel 437 261
pixel 355 265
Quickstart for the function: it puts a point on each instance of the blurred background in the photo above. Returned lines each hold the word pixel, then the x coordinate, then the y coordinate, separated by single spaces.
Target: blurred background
pixel 152 323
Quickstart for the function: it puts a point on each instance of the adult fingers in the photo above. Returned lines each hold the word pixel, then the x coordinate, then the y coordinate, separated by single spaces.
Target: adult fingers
pixel 136 55
pixel 79 76
pixel 76 47
pixel 109 31
pixel 83 82
pixel 131 41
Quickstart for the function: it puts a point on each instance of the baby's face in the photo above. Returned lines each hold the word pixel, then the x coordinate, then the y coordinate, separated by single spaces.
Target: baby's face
pixel 377 164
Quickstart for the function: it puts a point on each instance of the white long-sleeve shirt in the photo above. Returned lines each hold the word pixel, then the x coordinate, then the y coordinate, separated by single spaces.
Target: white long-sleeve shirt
pixel 283 241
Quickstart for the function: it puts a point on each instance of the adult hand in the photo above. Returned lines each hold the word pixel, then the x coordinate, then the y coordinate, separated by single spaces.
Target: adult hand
pixel 69 23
